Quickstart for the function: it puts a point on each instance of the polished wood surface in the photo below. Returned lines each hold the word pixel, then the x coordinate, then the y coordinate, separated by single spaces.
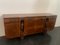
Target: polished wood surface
pixel 33 25
pixel 12 27
pixel 51 22
pixel 22 26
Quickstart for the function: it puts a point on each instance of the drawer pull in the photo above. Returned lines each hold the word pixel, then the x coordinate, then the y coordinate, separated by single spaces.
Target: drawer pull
pixel 22 24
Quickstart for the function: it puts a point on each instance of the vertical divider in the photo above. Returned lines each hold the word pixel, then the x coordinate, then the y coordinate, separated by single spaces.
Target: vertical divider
pixel 22 27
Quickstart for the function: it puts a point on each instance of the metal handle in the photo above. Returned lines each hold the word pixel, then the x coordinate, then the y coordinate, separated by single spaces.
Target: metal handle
pixel 22 24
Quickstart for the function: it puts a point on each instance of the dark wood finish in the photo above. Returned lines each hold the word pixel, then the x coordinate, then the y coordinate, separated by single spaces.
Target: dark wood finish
pixel 29 25
pixel 33 25
pixel 12 27
pixel 51 22
pixel 39 24
pixel 22 26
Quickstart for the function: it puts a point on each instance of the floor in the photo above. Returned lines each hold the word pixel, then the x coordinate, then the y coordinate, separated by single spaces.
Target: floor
pixel 51 38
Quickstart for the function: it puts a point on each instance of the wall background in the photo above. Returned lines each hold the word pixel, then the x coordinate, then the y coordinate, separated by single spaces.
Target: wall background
pixel 28 6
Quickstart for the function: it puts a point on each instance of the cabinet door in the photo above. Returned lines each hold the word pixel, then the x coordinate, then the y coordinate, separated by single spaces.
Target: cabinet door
pixel 39 24
pixel 29 24
pixel 33 25
pixel 12 28
pixel 51 22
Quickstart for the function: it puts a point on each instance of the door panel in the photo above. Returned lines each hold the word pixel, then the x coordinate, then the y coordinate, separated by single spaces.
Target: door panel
pixel 39 24
pixel 29 24
pixel 33 25
pixel 51 22
pixel 12 29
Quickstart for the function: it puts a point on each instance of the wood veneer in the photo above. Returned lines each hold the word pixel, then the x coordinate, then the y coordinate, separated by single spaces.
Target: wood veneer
pixel 23 26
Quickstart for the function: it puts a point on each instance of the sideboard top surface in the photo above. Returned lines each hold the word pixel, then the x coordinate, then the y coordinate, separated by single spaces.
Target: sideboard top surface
pixel 27 15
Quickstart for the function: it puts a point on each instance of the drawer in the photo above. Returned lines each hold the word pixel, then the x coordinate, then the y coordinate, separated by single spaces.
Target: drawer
pixel 51 18
pixel 8 20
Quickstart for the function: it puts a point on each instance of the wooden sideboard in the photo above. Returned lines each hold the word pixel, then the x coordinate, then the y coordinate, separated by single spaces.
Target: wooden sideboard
pixel 23 26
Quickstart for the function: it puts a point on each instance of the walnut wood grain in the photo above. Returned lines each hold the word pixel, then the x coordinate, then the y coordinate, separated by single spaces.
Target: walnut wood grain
pixel 12 27
pixel 31 25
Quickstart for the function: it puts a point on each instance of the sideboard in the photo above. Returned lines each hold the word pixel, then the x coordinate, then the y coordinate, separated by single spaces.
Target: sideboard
pixel 28 25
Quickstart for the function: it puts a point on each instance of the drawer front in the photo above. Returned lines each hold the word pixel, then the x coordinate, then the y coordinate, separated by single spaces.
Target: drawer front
pixel 8 20
pixel 34 21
